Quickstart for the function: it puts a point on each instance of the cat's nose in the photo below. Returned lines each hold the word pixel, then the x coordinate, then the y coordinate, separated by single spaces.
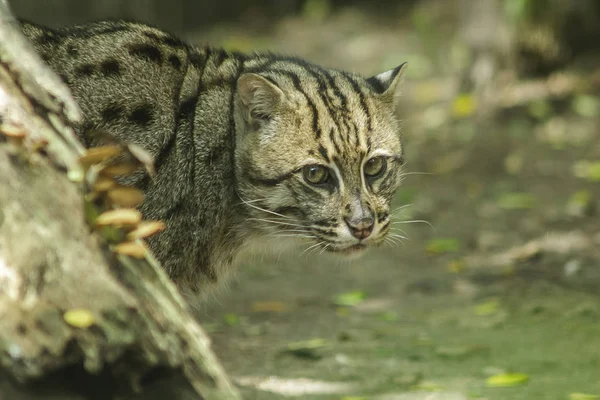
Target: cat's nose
pixel 362 229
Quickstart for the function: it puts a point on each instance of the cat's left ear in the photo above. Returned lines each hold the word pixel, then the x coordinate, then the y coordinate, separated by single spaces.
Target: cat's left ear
pixel 386 83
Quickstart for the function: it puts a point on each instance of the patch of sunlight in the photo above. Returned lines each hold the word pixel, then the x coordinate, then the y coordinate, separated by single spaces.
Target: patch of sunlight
pixel 295 387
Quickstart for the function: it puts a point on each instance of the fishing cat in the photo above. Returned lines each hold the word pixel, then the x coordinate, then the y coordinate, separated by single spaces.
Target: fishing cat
pixel 247 147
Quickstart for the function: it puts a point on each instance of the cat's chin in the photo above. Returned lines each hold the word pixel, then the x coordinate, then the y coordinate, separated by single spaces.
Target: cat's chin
pixel 351 252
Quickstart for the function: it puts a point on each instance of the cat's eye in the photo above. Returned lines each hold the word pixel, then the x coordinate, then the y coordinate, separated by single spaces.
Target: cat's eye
pixel 315 174
pixel 375 167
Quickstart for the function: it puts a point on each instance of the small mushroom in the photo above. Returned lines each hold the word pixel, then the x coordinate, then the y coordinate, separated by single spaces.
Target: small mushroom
pixel 121 216
pixel 145 229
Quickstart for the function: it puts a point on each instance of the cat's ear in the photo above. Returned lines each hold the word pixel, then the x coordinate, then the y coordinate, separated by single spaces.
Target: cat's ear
pixel 386 83
pixel 260 97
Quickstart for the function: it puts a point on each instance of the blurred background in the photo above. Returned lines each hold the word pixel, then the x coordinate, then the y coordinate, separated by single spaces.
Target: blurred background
pixel 495 295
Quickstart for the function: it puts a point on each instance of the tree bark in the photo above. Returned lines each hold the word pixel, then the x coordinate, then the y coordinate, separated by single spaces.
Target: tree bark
pixel 143 341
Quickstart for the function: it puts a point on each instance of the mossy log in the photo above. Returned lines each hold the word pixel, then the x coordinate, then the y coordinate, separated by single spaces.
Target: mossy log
pixel 140 339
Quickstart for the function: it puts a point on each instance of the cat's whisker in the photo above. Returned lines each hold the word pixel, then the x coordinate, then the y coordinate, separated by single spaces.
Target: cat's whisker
pixel 291 235
pixel 416 173
pixel 264 210
pixel 295 230
pixel 276 222
pixel 395 230
pixel 316 245
pixel 414 221
pixel 324 248
pixel 250 201
pixel 390 242
pixel 395 237
pixel 400 238
pixel 399 209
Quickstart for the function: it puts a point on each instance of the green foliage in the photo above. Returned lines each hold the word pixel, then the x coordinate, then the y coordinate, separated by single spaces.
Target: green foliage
pixel 349 299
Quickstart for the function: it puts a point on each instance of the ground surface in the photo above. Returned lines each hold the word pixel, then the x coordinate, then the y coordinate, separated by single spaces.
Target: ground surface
pixel 512 288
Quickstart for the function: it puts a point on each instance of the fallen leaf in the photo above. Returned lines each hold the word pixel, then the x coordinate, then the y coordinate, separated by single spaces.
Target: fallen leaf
pixel 583 396
pixel 349 299
pixel 464 105
pixel 269 306
pixel 486 308
pixel 231 319
pixel 79 318
pixel 507 380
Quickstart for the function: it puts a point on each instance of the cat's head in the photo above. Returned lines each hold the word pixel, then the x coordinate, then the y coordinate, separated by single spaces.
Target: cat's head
pixel 318 154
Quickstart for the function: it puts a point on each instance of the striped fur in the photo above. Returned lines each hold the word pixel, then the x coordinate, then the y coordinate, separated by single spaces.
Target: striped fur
pixel 233 135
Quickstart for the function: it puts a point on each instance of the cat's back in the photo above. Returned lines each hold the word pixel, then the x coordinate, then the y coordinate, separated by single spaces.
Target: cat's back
pixel 126 76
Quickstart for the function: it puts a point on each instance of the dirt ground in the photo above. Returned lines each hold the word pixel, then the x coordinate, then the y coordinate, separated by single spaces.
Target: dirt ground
pixel 505 280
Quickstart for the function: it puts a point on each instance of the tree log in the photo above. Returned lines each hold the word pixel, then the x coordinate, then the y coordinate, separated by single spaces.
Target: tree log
pixel 141 341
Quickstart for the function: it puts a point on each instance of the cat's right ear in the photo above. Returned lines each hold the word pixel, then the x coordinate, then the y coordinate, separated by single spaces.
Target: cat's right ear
pixel 386 83
pixel 259 96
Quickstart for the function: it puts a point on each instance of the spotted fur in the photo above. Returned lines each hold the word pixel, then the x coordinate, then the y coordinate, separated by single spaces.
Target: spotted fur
pixel 233 136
